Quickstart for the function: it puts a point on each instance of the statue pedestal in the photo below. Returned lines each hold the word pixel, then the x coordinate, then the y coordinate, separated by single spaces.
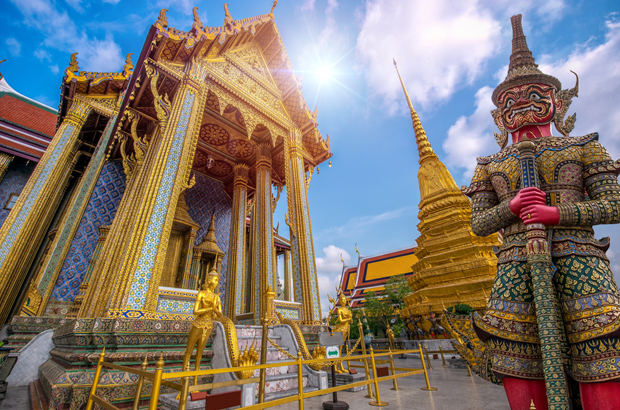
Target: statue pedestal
pixel 346 378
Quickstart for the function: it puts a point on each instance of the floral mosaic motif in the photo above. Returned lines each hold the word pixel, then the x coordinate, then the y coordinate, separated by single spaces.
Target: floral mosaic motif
pixel 294 314
pixel 14 181
pixel 204 198
pixel 100 211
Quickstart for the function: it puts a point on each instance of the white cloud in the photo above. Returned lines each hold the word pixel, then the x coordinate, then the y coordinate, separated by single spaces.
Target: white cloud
pixel 308 5
pixel 111 1
pixel 598 67
pixel 549 10
pixel 15 47
pixel 357 225
pixel 76 5
pixel 329 269
pixel 43 55
pixel 440 46
pixel 54 69
pixel 472 136
pixel 61 33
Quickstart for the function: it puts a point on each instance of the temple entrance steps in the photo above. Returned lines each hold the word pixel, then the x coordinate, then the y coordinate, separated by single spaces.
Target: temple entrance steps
pixel 23 329
pixel 281 381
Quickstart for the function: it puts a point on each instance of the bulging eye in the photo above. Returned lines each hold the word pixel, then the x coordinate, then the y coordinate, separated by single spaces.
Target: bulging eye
pixel 534 97
pixel 510 103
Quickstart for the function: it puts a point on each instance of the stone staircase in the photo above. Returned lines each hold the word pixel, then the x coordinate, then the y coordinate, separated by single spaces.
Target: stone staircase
pixel 281 381
pixel 25 328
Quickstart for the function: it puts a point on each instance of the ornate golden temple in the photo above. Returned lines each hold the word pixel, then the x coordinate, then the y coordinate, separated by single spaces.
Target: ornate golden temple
pixel 160 172
pixel 454 266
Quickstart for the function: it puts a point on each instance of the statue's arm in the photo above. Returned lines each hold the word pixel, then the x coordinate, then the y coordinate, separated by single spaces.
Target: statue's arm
pixel 198 310
pixel 488 215
pixel 601 184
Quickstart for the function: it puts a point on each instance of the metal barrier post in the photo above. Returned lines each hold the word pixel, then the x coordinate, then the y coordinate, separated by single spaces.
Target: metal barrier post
pixel 443 361
pixel 136 400
pixel 263 360
pixel 394 382
pixel 376 382
pixel 93 389
pixel 468 371
pixel 428 384
pixel 428 360
pixel 346 346
pixel 159 369
pixel 300 381
pixel 184 390
pixel 368 387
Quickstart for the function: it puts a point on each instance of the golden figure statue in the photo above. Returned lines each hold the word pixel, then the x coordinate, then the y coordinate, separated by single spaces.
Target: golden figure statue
pixel 207 307
pixel 390 335
pixel 345 318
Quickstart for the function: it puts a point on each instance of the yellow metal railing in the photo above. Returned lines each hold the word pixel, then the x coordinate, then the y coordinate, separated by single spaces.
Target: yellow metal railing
pixel 159 379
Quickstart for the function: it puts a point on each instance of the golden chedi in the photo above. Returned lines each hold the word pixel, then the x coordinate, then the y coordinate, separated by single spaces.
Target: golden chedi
pixel 454 265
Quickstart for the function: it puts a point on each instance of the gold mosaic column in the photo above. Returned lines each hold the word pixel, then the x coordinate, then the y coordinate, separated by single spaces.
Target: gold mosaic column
pixel 73 217
pixel 25 225
pixel 287 275
pixel 137 281
pixel 304 266
pixel 236 247
pixel 262 230
pixel 5 161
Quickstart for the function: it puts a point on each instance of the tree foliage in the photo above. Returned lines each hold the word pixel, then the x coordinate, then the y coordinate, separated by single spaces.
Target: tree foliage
pixel 382 308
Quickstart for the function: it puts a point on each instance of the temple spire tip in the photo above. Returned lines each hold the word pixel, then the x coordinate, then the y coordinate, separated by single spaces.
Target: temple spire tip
pixel 424 146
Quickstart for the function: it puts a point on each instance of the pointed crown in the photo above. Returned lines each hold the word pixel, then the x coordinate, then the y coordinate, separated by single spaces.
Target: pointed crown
pixel 522 68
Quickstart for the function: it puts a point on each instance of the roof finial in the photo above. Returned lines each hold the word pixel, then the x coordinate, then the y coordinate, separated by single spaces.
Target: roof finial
pixel 275 3
pixel 128 67
pixel 197 21
pixel 342 260
pixel 228 20
pixel 424 146
pixel 2 61
pixel 163 20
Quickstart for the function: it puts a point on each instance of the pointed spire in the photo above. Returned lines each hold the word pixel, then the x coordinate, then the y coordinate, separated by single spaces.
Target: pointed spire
pixel 209 243
pixel 521 55
pixel 424 146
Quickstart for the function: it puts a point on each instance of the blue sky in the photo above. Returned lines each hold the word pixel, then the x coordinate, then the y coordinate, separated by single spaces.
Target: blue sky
pixel 451 55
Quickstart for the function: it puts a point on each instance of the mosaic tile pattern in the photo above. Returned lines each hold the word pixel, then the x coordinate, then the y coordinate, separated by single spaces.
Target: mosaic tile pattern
pixel 23 213
pixel 287 313
pixel 14 181
pixel 100 211
pixel 142 275
pixel 173 300
pixel 203 198
pixel 239 274
pixel 86 186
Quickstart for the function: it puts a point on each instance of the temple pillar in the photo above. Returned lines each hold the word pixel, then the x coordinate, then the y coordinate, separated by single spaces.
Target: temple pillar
pixel 287 275
pixel 263 251
pixel 27 223
pixel 5 161
pixel 304 265
pixel 73 216
pixel 141 235
pixel 236 244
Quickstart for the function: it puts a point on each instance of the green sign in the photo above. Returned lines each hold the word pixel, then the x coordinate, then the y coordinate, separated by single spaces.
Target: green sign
pixel 333 351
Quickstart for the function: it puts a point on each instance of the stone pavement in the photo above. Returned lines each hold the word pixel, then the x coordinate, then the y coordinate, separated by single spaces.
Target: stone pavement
pixel 455 391
pixel 16 399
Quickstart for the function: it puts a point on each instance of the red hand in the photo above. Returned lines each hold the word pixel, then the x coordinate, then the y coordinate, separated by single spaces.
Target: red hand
pixel 540 214
pixel 526 197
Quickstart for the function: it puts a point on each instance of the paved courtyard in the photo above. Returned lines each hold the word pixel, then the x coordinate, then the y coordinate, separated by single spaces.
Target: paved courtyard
pixel 455 391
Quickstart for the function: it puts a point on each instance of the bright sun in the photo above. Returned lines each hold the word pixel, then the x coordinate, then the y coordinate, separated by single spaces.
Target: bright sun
pixel 324 73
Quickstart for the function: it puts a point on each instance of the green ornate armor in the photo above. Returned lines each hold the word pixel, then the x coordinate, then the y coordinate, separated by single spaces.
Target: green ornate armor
pixel 579 177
